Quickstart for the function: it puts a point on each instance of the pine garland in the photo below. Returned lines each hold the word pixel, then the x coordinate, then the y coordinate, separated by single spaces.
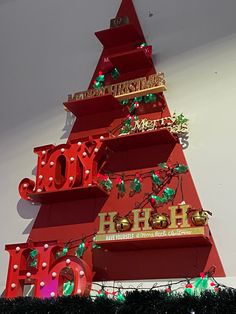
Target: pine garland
pixel 145 302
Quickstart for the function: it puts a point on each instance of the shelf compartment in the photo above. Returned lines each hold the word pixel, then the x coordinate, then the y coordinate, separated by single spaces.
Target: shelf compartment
pixel 119 36
pixel 159 238
pixel 68 195
pixel 94 105
pixel 140 140
pixel 131 61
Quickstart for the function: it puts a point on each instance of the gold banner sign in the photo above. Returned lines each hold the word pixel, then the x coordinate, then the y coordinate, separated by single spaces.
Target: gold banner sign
pixel 141 86
pixel 170 123
pixel 152 234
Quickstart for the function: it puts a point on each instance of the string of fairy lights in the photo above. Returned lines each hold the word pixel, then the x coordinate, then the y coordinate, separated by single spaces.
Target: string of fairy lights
pixel 160 178
pixel 188 286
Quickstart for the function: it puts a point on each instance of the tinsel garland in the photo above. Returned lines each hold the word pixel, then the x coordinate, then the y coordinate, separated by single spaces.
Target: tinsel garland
pixel 145 302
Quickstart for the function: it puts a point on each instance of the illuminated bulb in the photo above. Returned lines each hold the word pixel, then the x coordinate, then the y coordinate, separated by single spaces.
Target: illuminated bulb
pixel 17 249
pixel 81 273
pixel 84 154
pixel 90 184
pixel 96 150
pixel 44 264
pixel 25 185
pixel 71 178
pixel 50 179
pixel 15 266
pixel 101 137
pixel 45 246
pixel 51 163
pixel 68 261
pixel 79 291
pixel 79 143
pixel 62 150
pixel 54 274
pixel 72 159
pixel 87 171
pixel 44 152
pixel 39 190
pixel 52 294
pixel 40 177
pixel 13 285
pixel 28 274
pixel 43 163
pixel 42 284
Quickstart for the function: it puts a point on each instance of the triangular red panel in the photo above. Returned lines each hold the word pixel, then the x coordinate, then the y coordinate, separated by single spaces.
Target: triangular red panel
pixel 68 219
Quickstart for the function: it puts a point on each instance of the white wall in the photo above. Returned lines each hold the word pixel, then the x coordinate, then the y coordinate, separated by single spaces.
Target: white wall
pixel 48 50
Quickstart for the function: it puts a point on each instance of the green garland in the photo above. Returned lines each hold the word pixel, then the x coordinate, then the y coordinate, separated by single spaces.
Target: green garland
pixel 145 302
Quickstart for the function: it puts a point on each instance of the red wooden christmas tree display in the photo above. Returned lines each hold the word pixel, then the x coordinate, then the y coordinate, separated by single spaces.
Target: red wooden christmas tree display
pixel 117 200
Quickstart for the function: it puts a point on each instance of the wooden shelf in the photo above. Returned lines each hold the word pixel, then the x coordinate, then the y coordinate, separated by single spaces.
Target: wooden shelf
pixel 131 61
pixel 68 195
pixel 140 140
pixel 94 105
pixel 119 36
pixel 159 238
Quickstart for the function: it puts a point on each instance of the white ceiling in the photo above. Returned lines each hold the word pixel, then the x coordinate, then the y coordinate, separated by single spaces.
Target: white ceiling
pixel 48 48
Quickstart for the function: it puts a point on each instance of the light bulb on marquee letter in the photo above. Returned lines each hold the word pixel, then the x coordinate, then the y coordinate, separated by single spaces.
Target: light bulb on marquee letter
pixel 81 273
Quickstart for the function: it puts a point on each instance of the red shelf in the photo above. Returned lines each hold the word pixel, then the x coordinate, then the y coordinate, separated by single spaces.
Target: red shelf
pixel 139 140
pixel 131 61
pixel 199 237
pixel 119 36
pixel 94 105
pixel 66 195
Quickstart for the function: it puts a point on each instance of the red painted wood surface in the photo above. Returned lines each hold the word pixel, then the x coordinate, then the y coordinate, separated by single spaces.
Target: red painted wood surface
pixel 70 218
